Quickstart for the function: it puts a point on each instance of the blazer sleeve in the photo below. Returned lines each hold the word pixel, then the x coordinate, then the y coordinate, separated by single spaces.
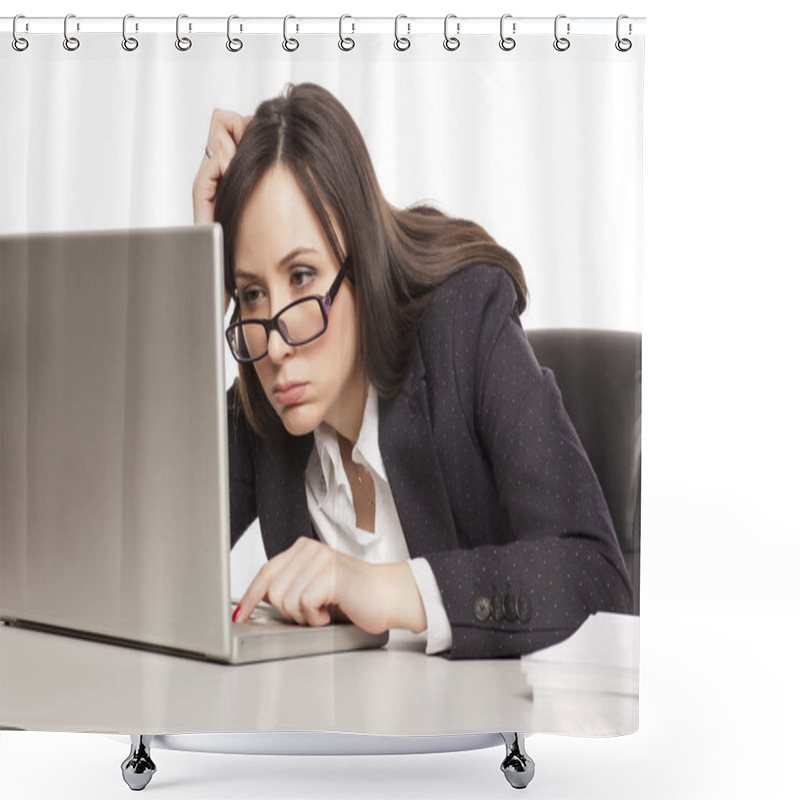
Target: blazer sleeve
pixel 533 584
pixel 241 474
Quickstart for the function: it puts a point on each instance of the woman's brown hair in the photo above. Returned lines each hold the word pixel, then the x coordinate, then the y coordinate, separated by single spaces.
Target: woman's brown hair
pixel 399 256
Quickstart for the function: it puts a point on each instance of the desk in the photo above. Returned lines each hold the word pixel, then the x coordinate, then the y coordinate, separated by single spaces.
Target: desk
pixel 50 682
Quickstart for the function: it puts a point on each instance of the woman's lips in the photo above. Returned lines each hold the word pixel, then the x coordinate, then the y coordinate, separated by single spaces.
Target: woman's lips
pixel 291 395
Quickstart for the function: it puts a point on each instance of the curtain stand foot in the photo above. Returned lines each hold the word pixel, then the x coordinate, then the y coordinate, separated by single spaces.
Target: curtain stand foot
pixel 518 766
pixel 138 768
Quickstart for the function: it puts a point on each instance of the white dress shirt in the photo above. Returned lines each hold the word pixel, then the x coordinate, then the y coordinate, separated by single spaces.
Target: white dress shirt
pixel 330 504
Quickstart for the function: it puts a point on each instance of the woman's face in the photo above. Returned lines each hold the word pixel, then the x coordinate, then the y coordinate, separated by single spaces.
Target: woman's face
pixel 281 255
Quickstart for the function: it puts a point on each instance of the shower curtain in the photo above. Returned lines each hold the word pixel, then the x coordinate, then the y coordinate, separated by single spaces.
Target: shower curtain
pixel 530 128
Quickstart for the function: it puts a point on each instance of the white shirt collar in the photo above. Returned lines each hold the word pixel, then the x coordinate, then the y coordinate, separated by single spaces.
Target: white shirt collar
pixel 366 450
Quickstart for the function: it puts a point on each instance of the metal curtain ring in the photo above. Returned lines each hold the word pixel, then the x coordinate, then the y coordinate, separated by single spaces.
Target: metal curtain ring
pixel 401 43
pixel 128 42
pixel 18 43
pixel 70 42
pixel 290 45
pixel 183 43
pixel 623 45
pixel 506 42
pixel 234 45
pixel 345 43
pixel 451 42
pixel 561 43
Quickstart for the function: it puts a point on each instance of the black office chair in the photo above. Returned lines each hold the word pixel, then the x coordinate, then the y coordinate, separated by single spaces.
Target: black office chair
pixel 599 374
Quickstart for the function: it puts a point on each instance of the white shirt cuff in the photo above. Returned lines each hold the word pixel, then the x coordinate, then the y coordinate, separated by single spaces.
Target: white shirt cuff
pixel 440 634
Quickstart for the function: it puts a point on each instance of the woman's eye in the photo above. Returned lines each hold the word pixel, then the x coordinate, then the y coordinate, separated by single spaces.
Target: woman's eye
pixel 252 295
pixel 299 275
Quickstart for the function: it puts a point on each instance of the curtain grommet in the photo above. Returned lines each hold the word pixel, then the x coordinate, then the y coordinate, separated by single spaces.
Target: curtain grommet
pixel 19 43
pixel 401 43
pixel 623 44
pixel 561 43
pixel 289 44
pixel 345 42
pixel 507 42
pixel 233 44
pixel 183 43
pixel 451 43
pixel 71 43
pixel 129 43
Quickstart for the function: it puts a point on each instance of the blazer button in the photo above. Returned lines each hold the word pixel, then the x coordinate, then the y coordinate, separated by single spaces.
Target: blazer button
pixel 510 608
pixel 497 607
pixel 483 608
pixel 523 607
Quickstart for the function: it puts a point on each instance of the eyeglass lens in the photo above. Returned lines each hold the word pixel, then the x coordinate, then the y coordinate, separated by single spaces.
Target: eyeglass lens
pixel 297 324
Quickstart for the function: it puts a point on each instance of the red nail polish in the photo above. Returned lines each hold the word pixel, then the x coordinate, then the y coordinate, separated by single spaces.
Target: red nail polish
pixel 236 613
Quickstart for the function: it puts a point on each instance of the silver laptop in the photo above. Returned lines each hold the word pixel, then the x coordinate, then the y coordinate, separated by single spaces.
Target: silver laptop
pixel 113 448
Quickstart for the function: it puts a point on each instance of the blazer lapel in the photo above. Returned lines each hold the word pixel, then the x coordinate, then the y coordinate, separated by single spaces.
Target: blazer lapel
pixel 286 518
pixel 409 455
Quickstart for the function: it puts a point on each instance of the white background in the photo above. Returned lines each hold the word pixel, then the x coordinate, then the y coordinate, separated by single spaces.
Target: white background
pixel 720 598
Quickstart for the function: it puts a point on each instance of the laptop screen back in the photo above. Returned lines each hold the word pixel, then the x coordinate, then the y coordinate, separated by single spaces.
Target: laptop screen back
pixel 113 473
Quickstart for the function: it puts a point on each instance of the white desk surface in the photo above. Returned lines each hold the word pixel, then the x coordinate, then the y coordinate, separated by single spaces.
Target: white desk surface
pixel 50 682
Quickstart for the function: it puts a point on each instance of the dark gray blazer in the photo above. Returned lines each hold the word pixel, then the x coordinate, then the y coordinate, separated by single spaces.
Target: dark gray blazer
pixel 490 481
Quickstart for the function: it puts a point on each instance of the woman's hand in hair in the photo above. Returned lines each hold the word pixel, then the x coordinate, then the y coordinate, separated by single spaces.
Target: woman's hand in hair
pixel 313 584
pixel 224 135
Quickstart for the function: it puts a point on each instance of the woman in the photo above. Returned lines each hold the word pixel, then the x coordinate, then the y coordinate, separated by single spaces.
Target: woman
pixel 410 463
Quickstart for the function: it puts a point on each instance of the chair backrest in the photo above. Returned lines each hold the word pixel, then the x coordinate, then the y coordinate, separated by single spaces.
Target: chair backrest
pixel 599 374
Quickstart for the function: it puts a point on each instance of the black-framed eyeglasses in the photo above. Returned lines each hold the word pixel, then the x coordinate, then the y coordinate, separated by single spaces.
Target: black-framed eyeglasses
pixel 298 323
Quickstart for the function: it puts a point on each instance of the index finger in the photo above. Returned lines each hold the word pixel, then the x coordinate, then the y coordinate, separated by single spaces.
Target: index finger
pixel 256 591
